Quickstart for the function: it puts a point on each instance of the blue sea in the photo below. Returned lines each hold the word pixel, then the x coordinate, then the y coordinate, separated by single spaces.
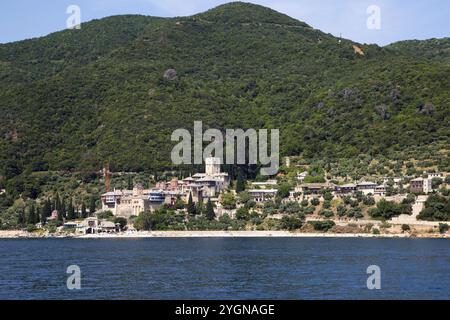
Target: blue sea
pixel 225 268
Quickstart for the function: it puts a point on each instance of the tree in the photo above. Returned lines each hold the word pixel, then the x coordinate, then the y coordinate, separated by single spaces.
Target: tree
pixel 283 190
pixel 327 196
pixel 57 205
pixel 46 211
pixel 71 211
pixel 240 183
pixel 21 221
pixel 436 182
pixel 191 206
pixel 246 199
pixel 122 221
pixel 92 205
pixel 388 209
pixel 242 214
pixel 322 225
pixel 210 214
pixel 228 201
pixel 107 215
pixel 199 208
pixel 63 212
pixel 405 227
pixel 159 220
pixel 437 208
pixel 368 201
pixel 326 213
pixel 179 204
pixel 341 210
pixel 83 210
pixel 130 183
pixel 443 227
pixel 290 223
pixel 33 216
pixel 143 221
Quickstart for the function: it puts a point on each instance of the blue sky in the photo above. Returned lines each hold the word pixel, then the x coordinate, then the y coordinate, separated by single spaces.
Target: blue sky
pixel 400 19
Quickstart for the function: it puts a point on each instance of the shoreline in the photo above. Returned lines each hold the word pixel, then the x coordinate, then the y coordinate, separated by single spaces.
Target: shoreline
pixel 18 234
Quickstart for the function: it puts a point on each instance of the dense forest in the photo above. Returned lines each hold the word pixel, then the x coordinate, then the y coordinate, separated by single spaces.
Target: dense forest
pixel 115 90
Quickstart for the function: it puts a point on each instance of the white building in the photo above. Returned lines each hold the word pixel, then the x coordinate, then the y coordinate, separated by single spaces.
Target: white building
pixel 262 195
pixel 301 176
pixel 208 184
pixel 212 166
pixel 421 185
pixel 264 184
pixel 126 203
pixel 366 187
pixel 380 190
pixel 434 175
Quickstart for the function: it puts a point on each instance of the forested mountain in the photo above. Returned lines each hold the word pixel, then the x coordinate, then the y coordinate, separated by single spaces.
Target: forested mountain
pixel 79 98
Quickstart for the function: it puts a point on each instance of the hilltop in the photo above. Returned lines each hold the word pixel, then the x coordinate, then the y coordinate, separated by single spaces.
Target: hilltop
pixel 432 49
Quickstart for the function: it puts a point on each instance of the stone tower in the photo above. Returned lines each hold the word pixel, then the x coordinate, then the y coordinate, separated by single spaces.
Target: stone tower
pixel 212 166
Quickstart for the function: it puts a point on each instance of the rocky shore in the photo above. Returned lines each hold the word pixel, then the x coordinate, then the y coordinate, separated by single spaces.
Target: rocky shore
pixel 17 234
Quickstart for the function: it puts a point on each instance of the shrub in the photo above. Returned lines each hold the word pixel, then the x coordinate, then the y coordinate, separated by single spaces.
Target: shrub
pixel 322 225
pixel 105 215
pixel 242 214
pixel 355 213
pixel 443 227
pixel 437 208
pixel 326 213
pixel 283 190
pixel 385 225
pixel 368 201
pixel 31 228
pixel 341 210
pixel 290 223
pixel 228 201
pixel 388 209
pixel 328 196
pixel 368 227
pixel 122 221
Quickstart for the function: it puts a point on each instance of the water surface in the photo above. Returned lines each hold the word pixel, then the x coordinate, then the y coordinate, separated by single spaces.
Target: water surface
pixel 225 268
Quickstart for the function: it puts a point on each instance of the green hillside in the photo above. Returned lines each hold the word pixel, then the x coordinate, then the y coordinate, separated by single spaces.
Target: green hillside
pixel 79 98
pixel 433 49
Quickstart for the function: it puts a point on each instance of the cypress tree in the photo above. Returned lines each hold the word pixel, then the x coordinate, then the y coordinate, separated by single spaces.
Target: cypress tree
pixel 210 214
pixel 130 183
pixel 21 218
pixel 43 218
pixel 92 206
pixel 190 205
pixel 83 211
pixel 46 211
pixel 240 183
pixel 32 215
pixel 61 212
pixel 63 209
pixel 71 211
pixel 57 203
